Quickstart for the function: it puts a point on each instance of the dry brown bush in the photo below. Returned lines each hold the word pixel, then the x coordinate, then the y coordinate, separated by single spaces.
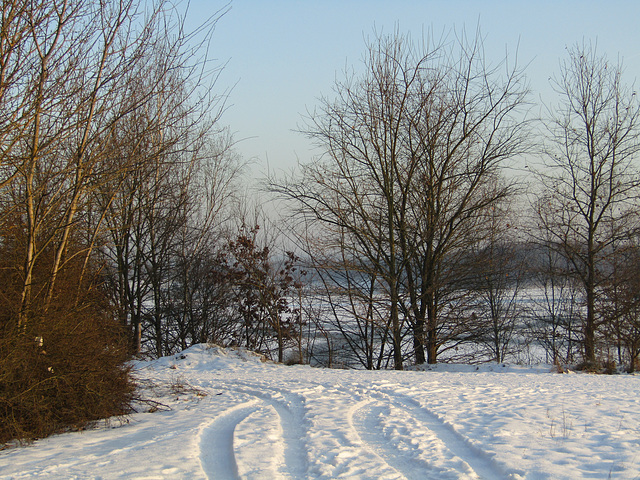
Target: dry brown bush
pixel 66 367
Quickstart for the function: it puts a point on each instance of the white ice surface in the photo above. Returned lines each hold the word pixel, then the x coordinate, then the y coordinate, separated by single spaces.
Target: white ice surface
pixel 265 421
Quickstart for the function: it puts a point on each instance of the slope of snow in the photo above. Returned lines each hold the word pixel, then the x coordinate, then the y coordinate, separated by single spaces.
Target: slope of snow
pixel 226 414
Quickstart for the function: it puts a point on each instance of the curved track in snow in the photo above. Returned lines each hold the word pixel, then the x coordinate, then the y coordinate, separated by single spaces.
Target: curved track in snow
pixel 418 443
pixel 217 445
pixel 367 426
pixel 262 438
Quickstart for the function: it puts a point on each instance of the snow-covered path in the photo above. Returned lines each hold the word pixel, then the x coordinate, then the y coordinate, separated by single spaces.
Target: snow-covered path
pixel 264 421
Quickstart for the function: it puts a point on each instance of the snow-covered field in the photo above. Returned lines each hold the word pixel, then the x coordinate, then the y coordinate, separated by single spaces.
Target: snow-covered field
pixel 225 414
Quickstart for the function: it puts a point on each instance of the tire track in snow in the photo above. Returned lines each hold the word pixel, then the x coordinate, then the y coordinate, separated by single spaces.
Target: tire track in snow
pixel 290 410
pixel 478 460
pixel 217 456
pixel 366 422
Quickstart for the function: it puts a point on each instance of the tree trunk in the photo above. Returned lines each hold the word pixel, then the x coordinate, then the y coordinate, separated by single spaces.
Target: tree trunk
pixel 418 340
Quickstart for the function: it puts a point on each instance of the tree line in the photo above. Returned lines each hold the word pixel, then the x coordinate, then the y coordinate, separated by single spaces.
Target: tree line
pixel 428 242
pixel 124 230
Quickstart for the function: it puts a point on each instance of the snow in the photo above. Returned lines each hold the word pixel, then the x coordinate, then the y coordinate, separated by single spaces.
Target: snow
pixel 227 414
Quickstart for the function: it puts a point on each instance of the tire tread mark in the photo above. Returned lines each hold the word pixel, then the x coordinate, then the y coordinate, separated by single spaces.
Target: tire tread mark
pixel 221 462
pixel 477 459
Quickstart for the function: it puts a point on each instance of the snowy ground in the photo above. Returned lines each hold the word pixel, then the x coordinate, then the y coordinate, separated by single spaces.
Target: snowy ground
pixel 228 415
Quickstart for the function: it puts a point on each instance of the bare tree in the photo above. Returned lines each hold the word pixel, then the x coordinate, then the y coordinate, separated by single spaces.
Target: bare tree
pixel 73 90
pixel 16 65
pixel 413 150
pixel 589 178
pixel 620 304
pixel 553 316
pixel 357 306
pixel 91 94
pixel 174 173
pixel 497 284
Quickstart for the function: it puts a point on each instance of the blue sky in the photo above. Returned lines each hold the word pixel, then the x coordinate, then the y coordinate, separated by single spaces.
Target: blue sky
pixel 284 54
